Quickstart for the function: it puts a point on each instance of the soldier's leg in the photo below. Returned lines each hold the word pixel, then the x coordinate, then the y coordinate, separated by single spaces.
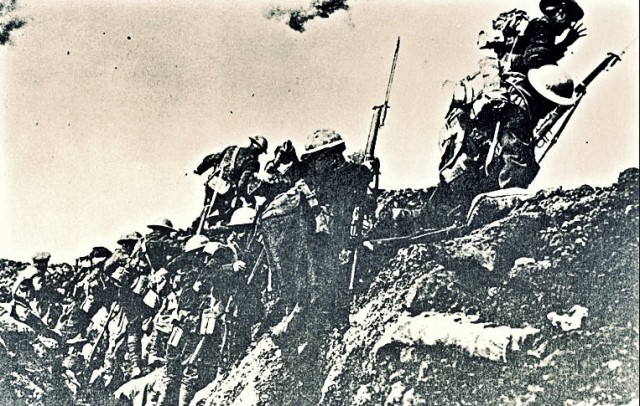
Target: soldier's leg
pixel 134 344
pixel 518 157
pixel 173 372
pixel 201 367
pixel 157 346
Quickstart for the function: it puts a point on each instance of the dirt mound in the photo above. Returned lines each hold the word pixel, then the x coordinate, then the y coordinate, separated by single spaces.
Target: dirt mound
pixel 539 306
pixel 534 301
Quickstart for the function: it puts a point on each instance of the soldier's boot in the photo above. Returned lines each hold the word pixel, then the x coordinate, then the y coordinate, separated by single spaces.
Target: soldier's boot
pixel 187 385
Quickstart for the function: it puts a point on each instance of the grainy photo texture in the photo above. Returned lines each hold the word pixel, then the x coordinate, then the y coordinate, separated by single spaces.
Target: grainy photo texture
pixel 319 202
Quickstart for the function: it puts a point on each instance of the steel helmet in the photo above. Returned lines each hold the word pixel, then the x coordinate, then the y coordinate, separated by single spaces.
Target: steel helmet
pixel 244 216
pixel 573 10
pixel 41 257
pixel 212 247
pixel 321 140
pixel 553 84
pixel 100 252
pixel 260 142
pixel 162 225
pixel 131 237
pixel 196 242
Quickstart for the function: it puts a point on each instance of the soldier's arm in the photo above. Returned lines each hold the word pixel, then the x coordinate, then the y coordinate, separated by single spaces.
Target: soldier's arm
pixel 249 170
pixel 208 162
pixel 114 261
pixel 541 48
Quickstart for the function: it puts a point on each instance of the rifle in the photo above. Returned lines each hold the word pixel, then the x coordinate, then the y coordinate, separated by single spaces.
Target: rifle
pixel 255 266
pixel 426 236
pixel 377 121
pixel 565 113
pixel 94 347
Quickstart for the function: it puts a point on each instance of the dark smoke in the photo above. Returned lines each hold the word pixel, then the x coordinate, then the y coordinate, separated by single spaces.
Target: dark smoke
pixel 298 17
pixel 8 21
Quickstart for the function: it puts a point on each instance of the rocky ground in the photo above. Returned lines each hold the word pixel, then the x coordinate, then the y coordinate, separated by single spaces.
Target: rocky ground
pixel 535 303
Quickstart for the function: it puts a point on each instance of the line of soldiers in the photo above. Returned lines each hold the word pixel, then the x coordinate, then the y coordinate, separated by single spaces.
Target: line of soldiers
pixel 192 300
pixel 272 251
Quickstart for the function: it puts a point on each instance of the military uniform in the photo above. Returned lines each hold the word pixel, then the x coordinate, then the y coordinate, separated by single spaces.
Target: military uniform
pixel 36 301
pixel 200 328
pixel 538 46
pixel 234 170
pixel 340 186
pixel 318 212
pixel 499 149
pixel 499 94
pixel 125 311
pixel 245 286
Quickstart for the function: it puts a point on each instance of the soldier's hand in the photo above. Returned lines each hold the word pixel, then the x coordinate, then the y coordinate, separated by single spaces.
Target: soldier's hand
pixel 197 286
pixel 239 266
pixel 577 30
pixel 373 165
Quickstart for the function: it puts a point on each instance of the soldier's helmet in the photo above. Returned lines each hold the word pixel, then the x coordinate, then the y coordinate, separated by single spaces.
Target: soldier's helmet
pixel 322 140
pixel 41 257
pixel 553 84
pixel 162 225
pixel 130 238
pixel 571 8
pixel 260 142
pixel 100 252
pixel 212 247
pixel 195 243
pixel 244 216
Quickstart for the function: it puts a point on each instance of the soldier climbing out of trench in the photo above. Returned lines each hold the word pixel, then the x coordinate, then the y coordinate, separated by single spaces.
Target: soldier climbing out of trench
pixel 234 169
pixel 309 277
pixel 200 328
pixel 499 100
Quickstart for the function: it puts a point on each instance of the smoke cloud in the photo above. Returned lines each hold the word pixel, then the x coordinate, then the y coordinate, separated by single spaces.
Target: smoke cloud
pixel 8 20
pixel 297 17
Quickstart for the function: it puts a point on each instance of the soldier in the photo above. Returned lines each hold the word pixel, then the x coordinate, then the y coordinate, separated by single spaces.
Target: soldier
pixel 139 298
pixel 36 302
pixel 339 186
pixel 246 308
pixel 539 44
pixel 318 212
pixel 513 53
pixel 194 345
pixel 159 247
pixel 93 292
pixel 500 151
pixel 233 170
pixel 125 309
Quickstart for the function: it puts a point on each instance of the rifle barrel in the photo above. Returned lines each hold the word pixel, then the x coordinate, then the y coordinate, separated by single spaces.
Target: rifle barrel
pixel 391 75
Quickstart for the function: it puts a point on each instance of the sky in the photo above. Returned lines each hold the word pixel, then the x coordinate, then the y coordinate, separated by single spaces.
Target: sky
pixel 108 106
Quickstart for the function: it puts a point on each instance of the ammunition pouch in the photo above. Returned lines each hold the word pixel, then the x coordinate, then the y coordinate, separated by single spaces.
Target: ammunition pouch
pixel 218 184
pixel 141 285
pixel 208 319
pixel 121 276
pixel 164 323
pixel 323 221
pixel 152 299
pixel 87 303
pixel 176 336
